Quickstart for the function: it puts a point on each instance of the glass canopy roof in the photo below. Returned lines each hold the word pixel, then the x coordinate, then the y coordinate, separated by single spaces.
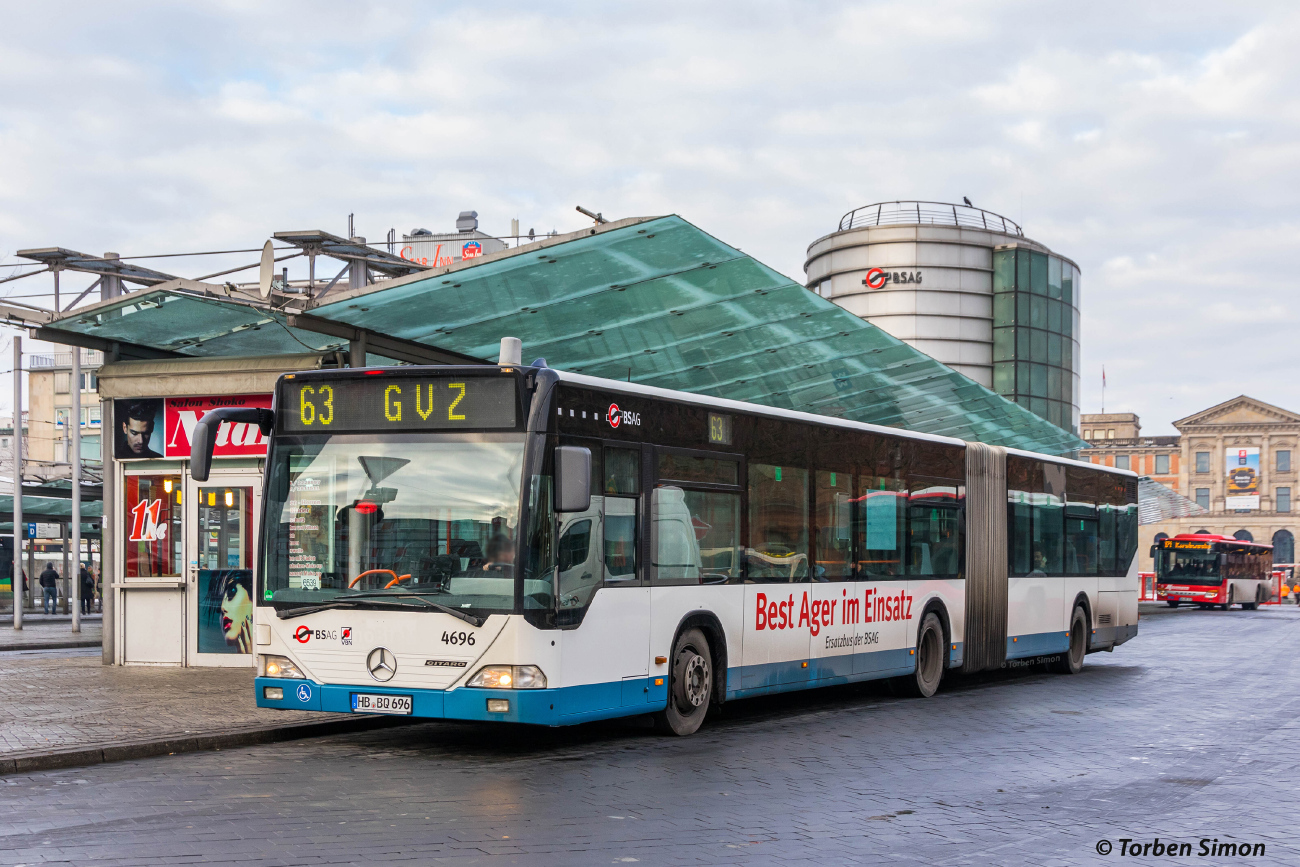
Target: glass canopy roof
pixel 188 323
pixel 663 303
pixel 656 301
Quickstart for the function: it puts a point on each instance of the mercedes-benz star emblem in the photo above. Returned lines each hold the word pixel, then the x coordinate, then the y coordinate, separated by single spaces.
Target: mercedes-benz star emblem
pixel 381 664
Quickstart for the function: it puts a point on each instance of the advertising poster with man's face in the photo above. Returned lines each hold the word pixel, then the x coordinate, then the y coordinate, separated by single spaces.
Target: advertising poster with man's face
pixel 226 611
pixel 138 427
pixel 1243 478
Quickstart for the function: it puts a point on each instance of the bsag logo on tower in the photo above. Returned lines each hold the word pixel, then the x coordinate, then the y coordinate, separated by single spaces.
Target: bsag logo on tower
pixel 616 416
pixel 877 278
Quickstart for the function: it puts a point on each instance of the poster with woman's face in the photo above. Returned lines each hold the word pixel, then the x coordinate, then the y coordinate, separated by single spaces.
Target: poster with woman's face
pixel 226 611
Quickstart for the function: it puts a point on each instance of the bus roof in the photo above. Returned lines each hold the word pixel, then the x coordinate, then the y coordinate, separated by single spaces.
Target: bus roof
pixel 796 415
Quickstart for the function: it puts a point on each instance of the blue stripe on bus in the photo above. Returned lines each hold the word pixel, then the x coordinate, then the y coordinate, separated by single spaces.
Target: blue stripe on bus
pixel 630 696
pixel 1038 644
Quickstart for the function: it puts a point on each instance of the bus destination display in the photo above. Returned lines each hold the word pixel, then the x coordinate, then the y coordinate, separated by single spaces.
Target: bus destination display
pixel 397 403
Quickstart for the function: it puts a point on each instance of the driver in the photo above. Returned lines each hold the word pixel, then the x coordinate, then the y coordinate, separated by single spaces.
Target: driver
pixel 500 553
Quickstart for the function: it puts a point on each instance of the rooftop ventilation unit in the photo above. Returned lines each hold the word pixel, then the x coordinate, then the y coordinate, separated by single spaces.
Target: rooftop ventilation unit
pixel 467 221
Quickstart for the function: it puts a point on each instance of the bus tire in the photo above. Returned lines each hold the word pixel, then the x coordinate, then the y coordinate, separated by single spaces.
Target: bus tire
pixel 690 688
pixel 931 660
pixel 1171 603
pixel 1251 606
pixel 1231 598
pixel 1072 661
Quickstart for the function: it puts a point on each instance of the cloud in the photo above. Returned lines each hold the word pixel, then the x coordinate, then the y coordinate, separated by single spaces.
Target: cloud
pixel 1156 146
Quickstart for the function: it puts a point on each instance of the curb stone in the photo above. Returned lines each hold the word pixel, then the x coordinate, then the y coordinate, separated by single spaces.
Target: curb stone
pixel 51 645
pixel 75 758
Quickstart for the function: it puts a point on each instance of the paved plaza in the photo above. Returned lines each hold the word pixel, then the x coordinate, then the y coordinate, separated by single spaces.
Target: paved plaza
pixel 53 701
pixel 1187 732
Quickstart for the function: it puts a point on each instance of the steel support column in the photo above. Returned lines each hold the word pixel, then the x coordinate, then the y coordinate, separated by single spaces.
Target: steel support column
pixel 18 483
pixel 108 531
pixel 75 459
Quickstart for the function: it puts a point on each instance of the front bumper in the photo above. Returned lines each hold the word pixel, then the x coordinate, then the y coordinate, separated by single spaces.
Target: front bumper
pixel 548 707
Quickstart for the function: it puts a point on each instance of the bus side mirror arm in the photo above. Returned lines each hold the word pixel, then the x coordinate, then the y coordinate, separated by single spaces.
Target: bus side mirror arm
pixel 204 438
pixel 572 479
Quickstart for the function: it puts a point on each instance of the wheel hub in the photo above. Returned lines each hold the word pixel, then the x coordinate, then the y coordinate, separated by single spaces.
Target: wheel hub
pixel 695 681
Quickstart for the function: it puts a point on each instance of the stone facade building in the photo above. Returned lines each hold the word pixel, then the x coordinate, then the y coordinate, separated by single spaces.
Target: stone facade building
pixel 1236 460
pixel 1119 443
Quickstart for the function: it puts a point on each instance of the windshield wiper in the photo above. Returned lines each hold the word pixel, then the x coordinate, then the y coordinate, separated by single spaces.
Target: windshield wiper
pixel 372 599
pixel 445 609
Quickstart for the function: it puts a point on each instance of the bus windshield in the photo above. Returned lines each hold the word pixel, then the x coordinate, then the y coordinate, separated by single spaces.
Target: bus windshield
pixel 1188 567
pixel 407 519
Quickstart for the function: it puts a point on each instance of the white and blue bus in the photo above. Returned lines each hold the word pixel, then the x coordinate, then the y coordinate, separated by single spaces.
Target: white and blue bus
pixel 522 544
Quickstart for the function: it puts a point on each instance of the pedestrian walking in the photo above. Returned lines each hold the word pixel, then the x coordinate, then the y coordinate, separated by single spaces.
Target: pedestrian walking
pixel 50 587
pixel 87 590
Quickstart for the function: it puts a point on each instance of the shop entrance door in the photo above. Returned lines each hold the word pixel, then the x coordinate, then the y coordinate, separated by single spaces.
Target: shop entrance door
pixel 221 518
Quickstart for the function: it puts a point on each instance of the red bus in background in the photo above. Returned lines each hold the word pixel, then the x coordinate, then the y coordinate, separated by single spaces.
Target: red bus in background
pixel 1207 569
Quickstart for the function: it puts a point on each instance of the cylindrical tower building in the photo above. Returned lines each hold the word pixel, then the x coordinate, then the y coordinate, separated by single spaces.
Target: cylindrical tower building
pixel 966 287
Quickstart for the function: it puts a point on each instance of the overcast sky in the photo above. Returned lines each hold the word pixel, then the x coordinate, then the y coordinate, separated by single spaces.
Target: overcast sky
pixel 1153 143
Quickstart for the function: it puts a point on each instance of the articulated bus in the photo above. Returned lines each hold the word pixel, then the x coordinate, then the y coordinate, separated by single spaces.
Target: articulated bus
pixel 523 544
pixel 1211 570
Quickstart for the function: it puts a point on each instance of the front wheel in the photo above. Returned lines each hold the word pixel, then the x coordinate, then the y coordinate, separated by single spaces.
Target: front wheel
pixel 691 687
pixel 931 660
pixel 1231 598
pixel 1072 662
pixel 1171 603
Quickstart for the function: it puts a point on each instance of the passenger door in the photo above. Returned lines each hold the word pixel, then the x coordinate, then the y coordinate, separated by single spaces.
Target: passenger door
pixel 607 656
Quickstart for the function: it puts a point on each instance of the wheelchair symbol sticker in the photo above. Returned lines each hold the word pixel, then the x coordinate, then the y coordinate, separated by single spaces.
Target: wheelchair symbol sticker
pixel 304 692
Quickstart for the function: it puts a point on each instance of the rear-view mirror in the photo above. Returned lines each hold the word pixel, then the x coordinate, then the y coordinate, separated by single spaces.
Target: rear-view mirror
pixel 204 438
pixel 572 479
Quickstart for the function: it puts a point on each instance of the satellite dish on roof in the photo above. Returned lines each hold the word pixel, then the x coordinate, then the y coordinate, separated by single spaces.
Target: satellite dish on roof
pixel 267 272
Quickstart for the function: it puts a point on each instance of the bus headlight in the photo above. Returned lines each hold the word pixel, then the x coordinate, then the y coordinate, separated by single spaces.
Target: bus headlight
pixel 509 677
pixel 280 666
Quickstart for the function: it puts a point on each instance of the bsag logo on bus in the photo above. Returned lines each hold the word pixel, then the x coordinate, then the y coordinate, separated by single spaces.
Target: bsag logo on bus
pixel 616 416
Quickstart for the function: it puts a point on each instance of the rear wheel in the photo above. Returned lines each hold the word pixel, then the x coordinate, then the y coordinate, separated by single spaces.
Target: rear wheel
pixel 1259 597
pixel 1072 661
pixel 931 660
pixel 690 689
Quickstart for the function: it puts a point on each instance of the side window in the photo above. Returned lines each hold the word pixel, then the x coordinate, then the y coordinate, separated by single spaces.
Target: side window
pixel 578 559
pixel 1126 537
pixel 674 549
pixel 1162 465
pixel 1020 515
pixel 1080 539
pixel 880 526
pixel 1284 460
pixel 1203 462
pixel 778 524
pixel 1106 538
pixel 1048 539
pixel 833 496
pixel 620 538
pixel 695 536
pixel 715 520
pixel 934 530
pixel 622 472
